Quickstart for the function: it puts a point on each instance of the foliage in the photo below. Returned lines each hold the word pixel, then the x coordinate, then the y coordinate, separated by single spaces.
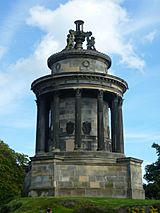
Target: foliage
pixel 12 171
pixel 152 189
pixel 80 205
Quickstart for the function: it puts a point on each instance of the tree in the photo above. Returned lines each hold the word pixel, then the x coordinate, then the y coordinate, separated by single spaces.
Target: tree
pixel 152 176
pixel 12 171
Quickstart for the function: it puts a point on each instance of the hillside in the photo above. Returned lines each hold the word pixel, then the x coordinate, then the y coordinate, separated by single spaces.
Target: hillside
pixel 79 205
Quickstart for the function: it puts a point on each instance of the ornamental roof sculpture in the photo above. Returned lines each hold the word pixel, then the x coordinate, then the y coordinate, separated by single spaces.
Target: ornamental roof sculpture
pixel 76 38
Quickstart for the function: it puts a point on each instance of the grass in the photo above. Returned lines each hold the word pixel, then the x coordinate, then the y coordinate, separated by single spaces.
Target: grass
pixel 74 204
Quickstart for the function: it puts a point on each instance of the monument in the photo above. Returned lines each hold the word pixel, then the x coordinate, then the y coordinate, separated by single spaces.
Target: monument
pixel 79 137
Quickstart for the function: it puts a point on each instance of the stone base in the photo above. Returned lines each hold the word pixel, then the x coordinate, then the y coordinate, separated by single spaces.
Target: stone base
pixel 77 173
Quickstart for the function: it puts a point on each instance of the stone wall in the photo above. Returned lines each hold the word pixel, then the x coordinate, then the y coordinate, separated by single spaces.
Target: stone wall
pixel 92 180
pixel 79 65
pixel 70 176
pixel 88 120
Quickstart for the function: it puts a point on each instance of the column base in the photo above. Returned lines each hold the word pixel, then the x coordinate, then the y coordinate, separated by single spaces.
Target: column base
pixel 56 150
pixel 40 153
pixel 78 149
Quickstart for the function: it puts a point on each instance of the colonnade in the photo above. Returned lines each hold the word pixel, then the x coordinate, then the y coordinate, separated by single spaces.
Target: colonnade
pixel 46 105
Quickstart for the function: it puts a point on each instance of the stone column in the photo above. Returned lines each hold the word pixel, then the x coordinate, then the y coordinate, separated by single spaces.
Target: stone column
pixel 52 145
pixel 47 106
pixel 55 117
pixel 114 124
pixel 78 120
pixel 41 125
pixel 120 119
pixel 100 122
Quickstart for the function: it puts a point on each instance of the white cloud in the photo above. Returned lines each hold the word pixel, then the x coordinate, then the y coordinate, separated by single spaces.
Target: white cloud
pixel 43 21
pixel 12 22
pixel 15 83
pixel 151 36
pixel 106 19
pixel 46 47
pixel 130 58
pixel 21 123
pixel 144 16
pixel 142 136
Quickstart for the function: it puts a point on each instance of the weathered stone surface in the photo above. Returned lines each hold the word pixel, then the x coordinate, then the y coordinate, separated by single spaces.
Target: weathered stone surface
pixel 63 178
pixel 89 116
pixel 79 64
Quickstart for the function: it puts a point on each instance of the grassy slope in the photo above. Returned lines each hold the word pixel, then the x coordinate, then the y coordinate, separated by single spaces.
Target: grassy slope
pixel 60 205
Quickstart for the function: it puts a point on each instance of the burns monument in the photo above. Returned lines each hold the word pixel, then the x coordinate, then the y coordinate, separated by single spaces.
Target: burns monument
pixel 79 136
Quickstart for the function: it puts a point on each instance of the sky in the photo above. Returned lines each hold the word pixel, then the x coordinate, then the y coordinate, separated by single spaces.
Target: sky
pixel 127 30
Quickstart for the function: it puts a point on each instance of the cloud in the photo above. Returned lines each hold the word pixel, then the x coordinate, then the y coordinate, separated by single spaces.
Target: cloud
pixel 144 16
pixel 43 21
pixel 21 123
pixel 16 81
pixel 151 36
pixel 46 47
pixel 2 51
pixel 142 137
pixel 12 22
pixel 106 19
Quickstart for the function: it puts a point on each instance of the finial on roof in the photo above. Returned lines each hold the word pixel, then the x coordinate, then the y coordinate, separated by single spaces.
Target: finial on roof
pixel 76 38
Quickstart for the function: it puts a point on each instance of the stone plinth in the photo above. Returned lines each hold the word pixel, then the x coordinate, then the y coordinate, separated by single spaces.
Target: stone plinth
pixel 85 174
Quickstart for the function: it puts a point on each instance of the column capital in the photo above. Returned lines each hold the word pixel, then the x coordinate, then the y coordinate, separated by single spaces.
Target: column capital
pixel 116 99
pixel 120 102
pixel 56 93
pixel 100 93
pixel 40 100
pixel 78 92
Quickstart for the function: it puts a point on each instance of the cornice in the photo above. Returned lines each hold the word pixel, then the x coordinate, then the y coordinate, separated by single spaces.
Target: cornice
pixel 65 81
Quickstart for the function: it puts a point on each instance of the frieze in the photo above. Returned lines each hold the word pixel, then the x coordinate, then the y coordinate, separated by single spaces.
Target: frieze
pixel 64 81
pixel 93 79
pixel 58 66
pixel 87 75
pixel 110 90
pixel 86 63
pixel 78 53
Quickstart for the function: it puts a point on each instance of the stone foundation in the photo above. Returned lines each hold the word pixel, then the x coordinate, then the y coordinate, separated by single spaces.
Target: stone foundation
pixel 85 174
